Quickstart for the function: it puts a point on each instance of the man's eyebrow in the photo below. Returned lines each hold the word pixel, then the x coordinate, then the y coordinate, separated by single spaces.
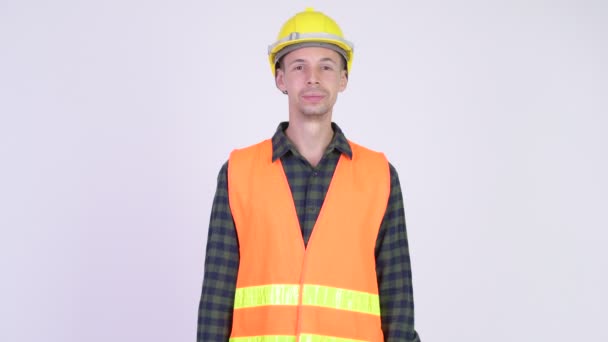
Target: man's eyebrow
pixel 299 60
pixel 324 59
pixel 328 59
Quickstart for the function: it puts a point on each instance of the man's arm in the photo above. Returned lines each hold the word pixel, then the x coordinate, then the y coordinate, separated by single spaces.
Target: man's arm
pixel 221 268
pixel 394 272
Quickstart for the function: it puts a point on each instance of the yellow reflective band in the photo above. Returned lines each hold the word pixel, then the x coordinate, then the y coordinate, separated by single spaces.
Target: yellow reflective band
pixel 314 295
pixel 321 338
pixel 265 338
pixel 247 297
pixel 342 299
pixel 282 338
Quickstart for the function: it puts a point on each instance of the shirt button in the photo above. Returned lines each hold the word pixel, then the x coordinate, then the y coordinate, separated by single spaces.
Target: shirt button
pixel 315 174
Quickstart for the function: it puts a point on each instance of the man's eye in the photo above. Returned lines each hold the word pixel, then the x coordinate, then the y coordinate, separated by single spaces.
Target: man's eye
pixel 298 67
pixel 326 67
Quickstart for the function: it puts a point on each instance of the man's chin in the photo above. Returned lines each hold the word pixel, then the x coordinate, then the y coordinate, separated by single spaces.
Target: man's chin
pixel 314 110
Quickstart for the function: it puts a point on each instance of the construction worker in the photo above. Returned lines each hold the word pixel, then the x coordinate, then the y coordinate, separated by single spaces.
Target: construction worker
pixel 307 238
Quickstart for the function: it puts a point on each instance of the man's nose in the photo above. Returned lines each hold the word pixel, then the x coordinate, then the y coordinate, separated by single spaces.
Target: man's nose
pixel 313 77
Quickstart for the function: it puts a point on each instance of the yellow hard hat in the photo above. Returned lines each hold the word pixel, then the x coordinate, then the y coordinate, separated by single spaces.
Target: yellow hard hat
pixel 310 28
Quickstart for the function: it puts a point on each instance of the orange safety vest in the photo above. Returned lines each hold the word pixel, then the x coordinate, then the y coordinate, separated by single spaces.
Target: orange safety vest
pixel 327 291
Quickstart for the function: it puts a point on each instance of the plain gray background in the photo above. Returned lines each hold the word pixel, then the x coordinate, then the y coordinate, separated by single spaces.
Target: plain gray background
pixel 115 117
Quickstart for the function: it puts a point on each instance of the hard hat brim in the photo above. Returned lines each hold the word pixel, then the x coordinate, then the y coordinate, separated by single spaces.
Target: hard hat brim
pixel 297 46
pixel 297 40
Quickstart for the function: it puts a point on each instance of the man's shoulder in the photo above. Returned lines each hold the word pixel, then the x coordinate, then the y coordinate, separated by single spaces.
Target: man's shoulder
pixel 367 152
pixel 255 149
pixel 257 145
pixel 246 157
pixel 360 151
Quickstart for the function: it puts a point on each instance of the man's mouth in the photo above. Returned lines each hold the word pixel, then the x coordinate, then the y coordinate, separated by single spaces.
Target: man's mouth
pixel 313 97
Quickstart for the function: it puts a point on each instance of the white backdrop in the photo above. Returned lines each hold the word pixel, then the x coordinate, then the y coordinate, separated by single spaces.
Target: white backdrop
pixel 115 117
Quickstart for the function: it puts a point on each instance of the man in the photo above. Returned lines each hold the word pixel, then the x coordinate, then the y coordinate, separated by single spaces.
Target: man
pixel 307 238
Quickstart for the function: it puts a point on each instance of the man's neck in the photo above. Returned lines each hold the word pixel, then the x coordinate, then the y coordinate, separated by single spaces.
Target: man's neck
pixel 311 138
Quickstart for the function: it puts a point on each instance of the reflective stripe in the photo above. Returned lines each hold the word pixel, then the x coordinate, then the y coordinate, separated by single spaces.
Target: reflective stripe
pixel 315 295
pixel 265 338
pixel 321 338
pixel 342 299
pixel 247 297
pixel 303 338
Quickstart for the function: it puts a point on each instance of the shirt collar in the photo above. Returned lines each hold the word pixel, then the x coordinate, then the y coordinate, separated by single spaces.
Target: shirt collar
pixel 282 145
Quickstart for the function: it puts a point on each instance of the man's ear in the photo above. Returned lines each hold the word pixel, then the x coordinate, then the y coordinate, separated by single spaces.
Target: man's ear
pixel 343 80
pixel 279 80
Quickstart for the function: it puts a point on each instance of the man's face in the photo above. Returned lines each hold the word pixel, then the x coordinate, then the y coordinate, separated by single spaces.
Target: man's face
pixel 312 77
